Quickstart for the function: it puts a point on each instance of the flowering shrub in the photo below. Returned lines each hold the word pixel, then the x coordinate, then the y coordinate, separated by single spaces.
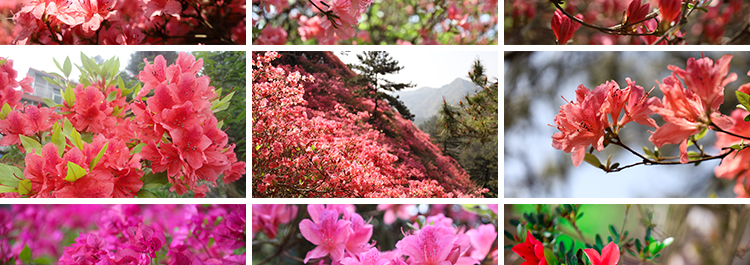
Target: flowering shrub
pixel 122 234
pixel 689 108
pixel 541 238
pixel 307 142
pixel 626 22
pixel 99 143
pixel 349 234
pixel 126 22
pixel 371 22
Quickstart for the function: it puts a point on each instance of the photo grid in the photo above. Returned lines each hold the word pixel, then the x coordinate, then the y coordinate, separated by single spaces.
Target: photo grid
pixel 624 132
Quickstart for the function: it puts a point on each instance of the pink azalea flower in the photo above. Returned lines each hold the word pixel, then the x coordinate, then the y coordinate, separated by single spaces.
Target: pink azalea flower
pixel 371 257
pixel 581 124
pixel 735 166
pixel 564 27
pixel 638 108
pixel 159 7
pixel 94 12
pixel 267 217
pixel 430 246
pixel 328 233
pixel 271 35
pixel 482 240
pixel 707 79
pixel 610 255
pixel 395 210
pixel 685 115
pixel 360 234
pixel 746 87
pixel 309 28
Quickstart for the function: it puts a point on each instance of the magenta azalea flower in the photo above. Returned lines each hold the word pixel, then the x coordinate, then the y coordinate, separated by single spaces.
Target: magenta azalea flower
pixel 328 233
pixel 429 246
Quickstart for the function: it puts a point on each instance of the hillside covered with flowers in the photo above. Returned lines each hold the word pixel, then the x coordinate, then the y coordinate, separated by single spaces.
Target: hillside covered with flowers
pixel 314 135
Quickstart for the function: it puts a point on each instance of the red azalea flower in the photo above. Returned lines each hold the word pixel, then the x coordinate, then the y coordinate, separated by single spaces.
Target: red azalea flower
pixel 610 255
pixel 152 74
pixel 564 27
pixel 191 142
pixel 531 250
pixel 636 12
pixel 670 10
pixel 12 126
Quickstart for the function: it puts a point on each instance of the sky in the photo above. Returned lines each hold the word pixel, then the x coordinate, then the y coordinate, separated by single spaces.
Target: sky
pixel 428 69
pixel 41 59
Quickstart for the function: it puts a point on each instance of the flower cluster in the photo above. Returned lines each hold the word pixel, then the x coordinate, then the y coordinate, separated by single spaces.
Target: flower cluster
pixel 454 21
pixel 342 236
pixel 689 107
pixel 124 234
pixel 597 112
pixel 101 146
pixel 123 22
pixel 307 142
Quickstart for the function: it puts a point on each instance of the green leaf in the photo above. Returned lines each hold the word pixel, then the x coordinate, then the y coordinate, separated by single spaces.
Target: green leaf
pixel 6 189
pixel 613 230
pixel 112 96
pixel 69 96
pixel 4 112
pixel 31 144
pixel 25 254
pixel 593 160
pixel 701 134
pixel 137 148
pixel 67 67
pixel 121 85
pixel 550 257
pixel 49 102
pixel 747 118
pixel 10 175
pixel 98 156
pixel 146 194
pixel 743 98
pixel 51 81
pixel 57 64
pixel 75 172
pixel 75 137
pixel 58 139
pixel 24 186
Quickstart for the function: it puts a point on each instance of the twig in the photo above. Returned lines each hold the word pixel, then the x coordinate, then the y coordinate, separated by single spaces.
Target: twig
pixel 617 29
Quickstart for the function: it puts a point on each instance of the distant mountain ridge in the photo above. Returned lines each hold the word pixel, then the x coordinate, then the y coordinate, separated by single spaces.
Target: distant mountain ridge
pixel 426 101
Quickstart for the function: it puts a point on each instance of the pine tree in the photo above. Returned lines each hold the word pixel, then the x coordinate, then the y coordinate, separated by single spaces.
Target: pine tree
pixel 373 65
pixel 468 132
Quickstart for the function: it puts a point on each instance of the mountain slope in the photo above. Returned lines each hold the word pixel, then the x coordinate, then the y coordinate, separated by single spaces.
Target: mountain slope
pixel 426 101
pixel 326 144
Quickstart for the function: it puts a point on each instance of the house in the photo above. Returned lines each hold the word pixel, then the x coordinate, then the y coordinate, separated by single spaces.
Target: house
pixel 42 89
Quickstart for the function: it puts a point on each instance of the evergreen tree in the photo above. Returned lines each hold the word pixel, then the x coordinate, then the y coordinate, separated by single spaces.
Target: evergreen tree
pixel 373 65
pixel 468 132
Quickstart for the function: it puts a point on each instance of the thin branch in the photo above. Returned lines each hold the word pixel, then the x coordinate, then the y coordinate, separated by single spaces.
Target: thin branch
pixel 617 29
pixel 719 129
pixel 745 29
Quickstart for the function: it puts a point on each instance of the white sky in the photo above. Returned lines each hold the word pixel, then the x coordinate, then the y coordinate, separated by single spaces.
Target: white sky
pixel 435 69
pixel 41 59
